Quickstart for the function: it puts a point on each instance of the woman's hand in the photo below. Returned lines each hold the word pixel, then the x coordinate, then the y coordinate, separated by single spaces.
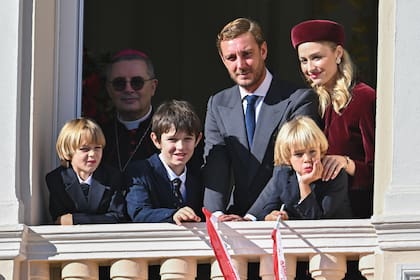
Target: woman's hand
pixel 332 166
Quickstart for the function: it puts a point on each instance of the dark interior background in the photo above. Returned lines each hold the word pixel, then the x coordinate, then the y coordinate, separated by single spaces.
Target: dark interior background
pixel 180 38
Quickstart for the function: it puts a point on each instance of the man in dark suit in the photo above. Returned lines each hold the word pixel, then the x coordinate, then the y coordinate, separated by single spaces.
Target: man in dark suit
pixel 238 154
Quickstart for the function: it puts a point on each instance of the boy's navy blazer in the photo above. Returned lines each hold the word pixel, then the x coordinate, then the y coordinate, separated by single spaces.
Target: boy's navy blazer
pixel 328 199
pixel 150 198
pixel 105 202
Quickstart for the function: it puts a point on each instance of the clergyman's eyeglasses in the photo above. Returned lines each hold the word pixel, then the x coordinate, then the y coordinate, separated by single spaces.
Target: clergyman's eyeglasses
pixel 136 83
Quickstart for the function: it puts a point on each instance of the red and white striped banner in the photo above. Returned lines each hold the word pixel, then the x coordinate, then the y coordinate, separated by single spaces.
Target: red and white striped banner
pixel 219 249
pixel 278 254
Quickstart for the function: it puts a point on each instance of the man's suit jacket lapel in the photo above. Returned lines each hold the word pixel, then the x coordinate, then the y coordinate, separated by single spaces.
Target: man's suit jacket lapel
pixel 232 115
pixel 266 124
pixel 73 189
pixel 272 111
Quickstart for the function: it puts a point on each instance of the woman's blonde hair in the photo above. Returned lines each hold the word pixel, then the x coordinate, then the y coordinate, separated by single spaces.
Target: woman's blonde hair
pixel 341 92
pixel 301 131
pixel 71 135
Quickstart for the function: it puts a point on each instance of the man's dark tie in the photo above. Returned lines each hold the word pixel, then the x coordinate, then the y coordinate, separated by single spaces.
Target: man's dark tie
pixel 250 117
pixel 176 183
pixel 85 189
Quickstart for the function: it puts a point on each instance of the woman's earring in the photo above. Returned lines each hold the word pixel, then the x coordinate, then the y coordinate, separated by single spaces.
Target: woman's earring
pixel 338 60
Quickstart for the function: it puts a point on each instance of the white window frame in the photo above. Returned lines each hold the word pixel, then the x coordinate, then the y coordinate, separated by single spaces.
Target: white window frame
pixel 69 61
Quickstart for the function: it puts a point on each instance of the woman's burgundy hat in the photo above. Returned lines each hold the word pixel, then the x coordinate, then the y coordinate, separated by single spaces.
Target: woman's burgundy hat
pixel 317 30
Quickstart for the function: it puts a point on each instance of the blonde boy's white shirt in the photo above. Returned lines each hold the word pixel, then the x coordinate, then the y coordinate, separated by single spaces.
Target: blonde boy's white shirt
pixel 87 181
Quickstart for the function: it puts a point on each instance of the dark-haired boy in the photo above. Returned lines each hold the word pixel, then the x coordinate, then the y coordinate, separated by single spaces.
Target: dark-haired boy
pixel 153 195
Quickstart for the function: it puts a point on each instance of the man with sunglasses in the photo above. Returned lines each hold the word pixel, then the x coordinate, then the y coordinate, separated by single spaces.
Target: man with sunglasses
pixel 131 84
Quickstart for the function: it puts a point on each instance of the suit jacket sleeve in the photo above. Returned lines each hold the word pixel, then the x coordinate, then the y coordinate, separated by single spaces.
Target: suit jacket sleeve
pixel 114 214
pixel 111 208
pixel 269 199
pixel 353 134
pixel 305 102
pixel 216 171
pixel 363 176
pixel 327 200
pixel 141 205
pixel 59 202
pixel 106 206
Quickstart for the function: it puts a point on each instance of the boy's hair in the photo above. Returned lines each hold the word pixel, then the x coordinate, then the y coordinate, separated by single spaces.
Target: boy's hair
pixel 71 135
pixel 179 114
pixel 301 131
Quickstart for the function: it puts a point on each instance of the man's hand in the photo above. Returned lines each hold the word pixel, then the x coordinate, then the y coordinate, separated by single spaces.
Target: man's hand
pixel 274 215
pixel 231 218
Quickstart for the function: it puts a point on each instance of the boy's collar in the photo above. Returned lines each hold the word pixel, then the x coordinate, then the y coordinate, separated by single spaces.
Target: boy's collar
pixel 171 174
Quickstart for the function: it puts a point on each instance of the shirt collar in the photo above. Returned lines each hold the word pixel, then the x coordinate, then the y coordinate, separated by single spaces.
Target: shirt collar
pixel 262 89
pixel 297 176
pixel 87 181
pixel 134 124
pixel 171 173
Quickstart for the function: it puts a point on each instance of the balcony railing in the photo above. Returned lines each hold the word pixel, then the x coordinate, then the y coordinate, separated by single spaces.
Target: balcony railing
pixel 76 252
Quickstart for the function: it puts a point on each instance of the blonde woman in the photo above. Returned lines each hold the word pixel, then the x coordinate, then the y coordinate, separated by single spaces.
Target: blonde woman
pixel 346 106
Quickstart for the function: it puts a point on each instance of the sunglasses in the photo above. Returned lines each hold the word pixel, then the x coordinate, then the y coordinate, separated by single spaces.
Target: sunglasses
pixel 136 83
